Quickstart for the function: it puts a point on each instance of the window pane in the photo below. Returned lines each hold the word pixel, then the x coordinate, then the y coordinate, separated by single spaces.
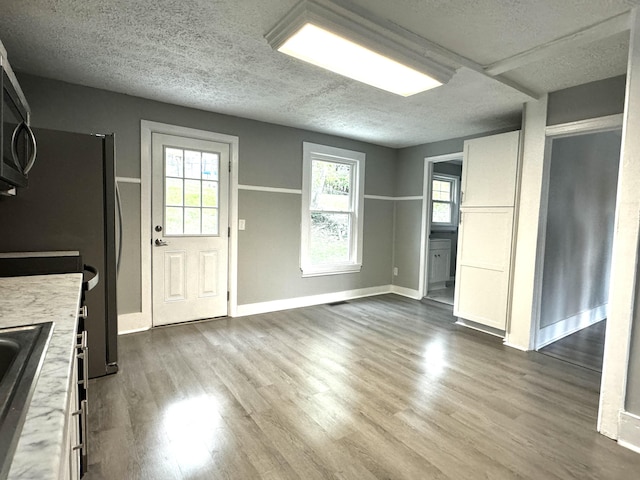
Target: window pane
pixel 441 190
pixel 192 164
pixel 329 238
pixel 173 162
pixel 209 194
pixel 173 193
pixel 192 221
pixel 330 186
pixel 441 212
pixel 210 221
pixel 192 193
pixel 210 164
pixel 173 220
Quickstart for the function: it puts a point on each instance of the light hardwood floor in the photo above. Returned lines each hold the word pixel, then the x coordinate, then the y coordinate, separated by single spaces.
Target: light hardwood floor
pixel 443 295
pixel 377 388
pixel 584 348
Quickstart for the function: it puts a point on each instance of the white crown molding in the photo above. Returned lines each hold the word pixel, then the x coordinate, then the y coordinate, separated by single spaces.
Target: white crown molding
pixel 590 125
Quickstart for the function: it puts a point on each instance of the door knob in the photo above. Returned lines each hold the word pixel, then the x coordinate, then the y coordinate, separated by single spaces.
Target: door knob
pixel 160 243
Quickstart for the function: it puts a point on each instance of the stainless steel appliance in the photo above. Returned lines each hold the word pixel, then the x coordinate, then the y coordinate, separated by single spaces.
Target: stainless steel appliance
pixel 17 141
pixel 70 204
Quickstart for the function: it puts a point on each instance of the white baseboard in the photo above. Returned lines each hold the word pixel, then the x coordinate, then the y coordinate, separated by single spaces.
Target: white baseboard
pixel 137 322
pixel 566 327
pixel 480 327
pixel 629 431
pixel 517 347
pixel 289 303
pixel 406 292
pixel 132 322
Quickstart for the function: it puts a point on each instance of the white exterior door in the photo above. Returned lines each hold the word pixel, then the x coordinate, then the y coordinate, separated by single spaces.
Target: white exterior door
pixel 190 244
pixel 483 273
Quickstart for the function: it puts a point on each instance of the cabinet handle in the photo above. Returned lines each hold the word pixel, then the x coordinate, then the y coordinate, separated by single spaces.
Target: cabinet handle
pixel 34 151
pixel 83 432
pixel 24 169
pixel 83 341
pixel 83 312
pixel 84 356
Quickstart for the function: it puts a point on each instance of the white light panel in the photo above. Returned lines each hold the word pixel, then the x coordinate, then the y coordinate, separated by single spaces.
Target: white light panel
pixel 333 52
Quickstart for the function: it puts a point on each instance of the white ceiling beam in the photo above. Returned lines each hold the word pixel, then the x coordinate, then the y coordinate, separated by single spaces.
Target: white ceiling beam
pixel 592 33
pixel 453 57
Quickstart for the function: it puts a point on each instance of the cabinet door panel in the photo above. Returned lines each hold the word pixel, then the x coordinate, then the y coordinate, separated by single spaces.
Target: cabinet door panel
pixel 484 262
pixel 489 171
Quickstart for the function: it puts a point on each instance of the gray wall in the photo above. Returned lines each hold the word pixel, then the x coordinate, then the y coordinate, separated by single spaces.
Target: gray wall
pixel 409 182
pixel 590 100
pixel 580 221
pixel 448 168
pixel 270 155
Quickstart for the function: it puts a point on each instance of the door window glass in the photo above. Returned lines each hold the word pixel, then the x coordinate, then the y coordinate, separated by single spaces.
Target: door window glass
pixel 191 196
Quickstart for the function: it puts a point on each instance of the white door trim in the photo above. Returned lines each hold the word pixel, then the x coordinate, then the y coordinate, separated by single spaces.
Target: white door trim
pixel 423 284
pixel 624 271
pixel 589 125
pixel 147 128
pixel 564 130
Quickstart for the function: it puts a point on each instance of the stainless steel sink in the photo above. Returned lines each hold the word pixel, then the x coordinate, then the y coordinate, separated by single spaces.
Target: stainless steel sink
pixel 22 351
pixel 8 352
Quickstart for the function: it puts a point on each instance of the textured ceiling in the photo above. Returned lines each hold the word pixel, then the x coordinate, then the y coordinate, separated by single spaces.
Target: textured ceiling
pixel 212 55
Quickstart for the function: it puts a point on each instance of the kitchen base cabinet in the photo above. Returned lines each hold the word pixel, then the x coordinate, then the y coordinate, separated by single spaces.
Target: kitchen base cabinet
pixel 75 429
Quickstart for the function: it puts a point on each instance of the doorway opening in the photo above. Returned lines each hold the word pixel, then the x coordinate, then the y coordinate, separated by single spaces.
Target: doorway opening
pixel 443 176
pixel 581 170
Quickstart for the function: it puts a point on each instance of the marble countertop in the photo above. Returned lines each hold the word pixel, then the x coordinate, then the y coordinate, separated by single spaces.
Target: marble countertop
pixel 40 299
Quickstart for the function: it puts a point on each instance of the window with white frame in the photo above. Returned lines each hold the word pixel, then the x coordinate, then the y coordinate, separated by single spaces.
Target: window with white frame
pixel 332 210
pixel 444 201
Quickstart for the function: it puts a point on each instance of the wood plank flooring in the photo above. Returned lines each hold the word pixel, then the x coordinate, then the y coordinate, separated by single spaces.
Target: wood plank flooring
pixel 377 388
pixel 443 295
pixel 584 348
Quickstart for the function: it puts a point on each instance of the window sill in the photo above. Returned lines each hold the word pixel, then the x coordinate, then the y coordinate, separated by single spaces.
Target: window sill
pixel 315 271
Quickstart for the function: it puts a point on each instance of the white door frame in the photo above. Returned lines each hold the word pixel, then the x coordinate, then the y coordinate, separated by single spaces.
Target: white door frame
pixel 423 284
pixel 147 128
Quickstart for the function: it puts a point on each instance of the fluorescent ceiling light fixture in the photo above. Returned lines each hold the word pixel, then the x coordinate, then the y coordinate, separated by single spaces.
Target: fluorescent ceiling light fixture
pixel 333 52
pixel 330 36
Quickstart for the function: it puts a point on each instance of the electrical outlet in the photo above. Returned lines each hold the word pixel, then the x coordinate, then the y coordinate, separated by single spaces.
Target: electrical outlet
pixel 395 271
pixel 241 224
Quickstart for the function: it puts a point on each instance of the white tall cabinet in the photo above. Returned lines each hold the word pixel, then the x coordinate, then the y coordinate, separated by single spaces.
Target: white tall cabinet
pixel 483 275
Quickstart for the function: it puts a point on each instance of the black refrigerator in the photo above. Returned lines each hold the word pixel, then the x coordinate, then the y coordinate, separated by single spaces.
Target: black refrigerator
pixel 70 204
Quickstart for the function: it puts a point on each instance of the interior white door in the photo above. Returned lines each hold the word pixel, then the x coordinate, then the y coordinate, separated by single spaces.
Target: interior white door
pixel 484 261
pixel 190 245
